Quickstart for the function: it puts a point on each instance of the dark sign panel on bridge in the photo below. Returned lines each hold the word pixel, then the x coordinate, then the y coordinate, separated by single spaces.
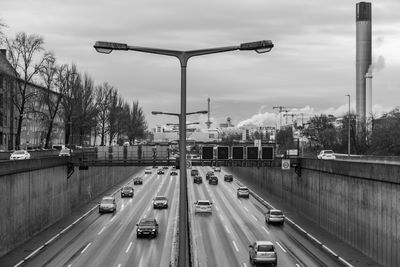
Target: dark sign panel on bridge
pixel 238 152
pixel 207 152
pixel 222 152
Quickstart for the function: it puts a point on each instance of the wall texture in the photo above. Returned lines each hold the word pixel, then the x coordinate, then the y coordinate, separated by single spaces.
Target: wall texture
pixel 33 200
pixel 357 202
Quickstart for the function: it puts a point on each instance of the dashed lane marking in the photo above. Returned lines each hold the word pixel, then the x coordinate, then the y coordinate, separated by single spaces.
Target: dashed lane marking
pixel 246 209
pixel 129 246
pixel 254 217
pixel 281 247
pixel 88 245
pixel 236 247
pixel 265 230
pixel 102 229
pixel 227 229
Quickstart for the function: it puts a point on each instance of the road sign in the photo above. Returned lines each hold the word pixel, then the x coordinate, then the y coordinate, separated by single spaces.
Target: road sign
pixel 223 152
pixel 267 152
pixel 286 164
pixel 237 152
pixel 207 152
pixel 188 164
pixel 252 152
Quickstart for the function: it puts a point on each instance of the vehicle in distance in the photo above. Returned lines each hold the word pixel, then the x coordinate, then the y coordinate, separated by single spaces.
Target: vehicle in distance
pixel 209 174
pixel 107 204
pixel 154 167
pixel 165 167
pixel 137 180
pixel 202 206
pixel 263 252
pixel 160 202
pixel 274 216
pixel 147 171
pixel 20 154
pixel 127 191
pixel 65 152
pixel 174 172
pixel 326 154
pixel 197 179
pixel 243 192
pixel 213 180
pixel 147 227
pixel 160 171
pixel 217 169
pixel 194 172
pixel 58 147
pixel 228 178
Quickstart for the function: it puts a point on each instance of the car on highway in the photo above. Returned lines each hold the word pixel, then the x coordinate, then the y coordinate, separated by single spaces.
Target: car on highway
pixel 147 227
pixel 165 167
pixel 209 174
pixel 160 202
pixel 228 178
pixel 263 252
pixel 194 172
pixel 148 171
pixel 65 152
pixel 20 154
pixel 213 180
pixel 243 192
pixel 160 172
pixel 217 169
pixel 274 216
pixel 326 154
pixel 202 206
pixel 197 179
pixel 137 180
pixel 174 172
pixel 154 167
pixel 108 204
pixel 127 191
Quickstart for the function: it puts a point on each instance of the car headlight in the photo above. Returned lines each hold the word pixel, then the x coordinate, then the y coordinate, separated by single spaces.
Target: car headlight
pixel 153 230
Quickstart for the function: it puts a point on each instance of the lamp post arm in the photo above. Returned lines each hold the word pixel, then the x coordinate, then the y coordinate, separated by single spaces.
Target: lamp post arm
pixel 207 51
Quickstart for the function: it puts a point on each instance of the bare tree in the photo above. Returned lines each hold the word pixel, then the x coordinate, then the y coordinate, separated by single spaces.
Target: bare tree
pixel 137 123
pixel 24 51
pixel 103 98
pixel 113 116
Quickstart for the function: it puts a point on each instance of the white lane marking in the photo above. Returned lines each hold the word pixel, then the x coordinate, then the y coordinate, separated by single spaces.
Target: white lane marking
pixel 88 245
pixel 244 264
pixel 246 209
pixel 119 265
pixel 122 207
pixel 69 265
pixel 112 219
pixel 234 244
pixel 102 229
pixel 222 218
pixel 148 209
pixel 254 217
pixel 281 246
pixel 265 230
pixel 130 244
pixel 227 229
pixel 297 265
pixel 217 208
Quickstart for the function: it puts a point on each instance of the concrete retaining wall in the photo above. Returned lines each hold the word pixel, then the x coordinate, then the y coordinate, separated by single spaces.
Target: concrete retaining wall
pixel 33 200
pixel 357 202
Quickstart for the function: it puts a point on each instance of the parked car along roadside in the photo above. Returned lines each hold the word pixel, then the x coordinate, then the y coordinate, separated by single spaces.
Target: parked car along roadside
pixel 20 154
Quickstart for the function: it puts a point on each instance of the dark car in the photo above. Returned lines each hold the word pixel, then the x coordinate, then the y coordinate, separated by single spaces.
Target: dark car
pixel 160 171
pixel 160 202
pixel 147 227
pixel 213 180
pixel 228 177
pixel 137 180
pixel 197 179
pixel 107 204
pixel 127 191
pixel 209 174
pixel 174 172
pixel 165 167
pixel 194 172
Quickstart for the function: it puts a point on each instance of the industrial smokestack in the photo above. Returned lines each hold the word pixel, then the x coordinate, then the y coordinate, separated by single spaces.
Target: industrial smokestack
pixel 368 95
pixel 363 55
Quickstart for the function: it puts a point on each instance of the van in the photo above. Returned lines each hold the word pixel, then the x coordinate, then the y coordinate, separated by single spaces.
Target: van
pixel 58 147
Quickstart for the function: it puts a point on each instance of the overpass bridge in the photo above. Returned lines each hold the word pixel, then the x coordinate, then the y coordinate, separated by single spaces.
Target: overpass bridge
pixel 356 203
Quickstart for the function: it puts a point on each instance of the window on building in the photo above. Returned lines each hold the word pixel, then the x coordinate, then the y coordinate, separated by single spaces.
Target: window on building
pixel 1 119
pixel 1 81
pixel 1 100
pixel 1 138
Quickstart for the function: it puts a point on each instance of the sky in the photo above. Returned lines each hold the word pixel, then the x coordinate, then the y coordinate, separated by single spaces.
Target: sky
pixel 311 67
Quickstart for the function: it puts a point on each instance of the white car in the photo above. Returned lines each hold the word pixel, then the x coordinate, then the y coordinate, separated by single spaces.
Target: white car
pixel 107 204
pixel 274 216
pixel 202 206
pixel 65 152
pixel 148 171
pixel 326 154
pixel 243 192
pixel 263 252
pixel 20 154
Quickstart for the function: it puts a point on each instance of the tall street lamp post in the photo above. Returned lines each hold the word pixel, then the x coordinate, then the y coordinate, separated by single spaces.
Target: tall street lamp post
pixel 348 131
pixel 183 57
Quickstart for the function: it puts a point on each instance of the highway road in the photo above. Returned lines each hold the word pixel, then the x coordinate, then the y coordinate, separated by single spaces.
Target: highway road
pixel 219 239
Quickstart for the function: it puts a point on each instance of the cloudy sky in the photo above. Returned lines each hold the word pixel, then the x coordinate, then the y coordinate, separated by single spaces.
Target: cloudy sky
pixel 312 66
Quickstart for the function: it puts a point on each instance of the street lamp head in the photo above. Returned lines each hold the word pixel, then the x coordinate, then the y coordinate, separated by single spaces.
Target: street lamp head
pixel 202 112
pixel 156 112
pixel 108 47
pixel 260 46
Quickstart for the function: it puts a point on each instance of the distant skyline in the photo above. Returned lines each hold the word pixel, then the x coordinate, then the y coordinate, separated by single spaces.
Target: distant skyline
pixel 311 67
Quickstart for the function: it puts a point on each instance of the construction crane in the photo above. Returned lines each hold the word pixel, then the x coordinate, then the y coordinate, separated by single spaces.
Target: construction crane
pixel 290 115
pixel 208 122
pixel 280 110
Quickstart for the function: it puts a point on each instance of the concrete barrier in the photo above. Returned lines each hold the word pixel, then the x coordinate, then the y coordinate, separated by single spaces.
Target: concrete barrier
pixel 357 202
pixel 34 199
